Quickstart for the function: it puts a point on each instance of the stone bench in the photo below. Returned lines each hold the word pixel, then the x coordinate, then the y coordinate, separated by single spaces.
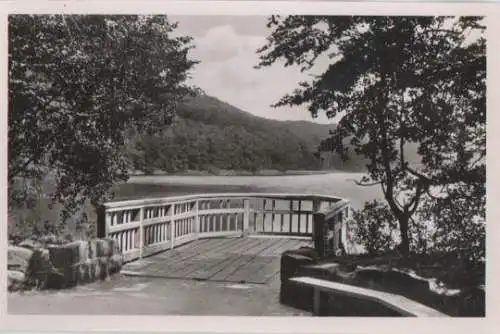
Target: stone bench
pixel 397 303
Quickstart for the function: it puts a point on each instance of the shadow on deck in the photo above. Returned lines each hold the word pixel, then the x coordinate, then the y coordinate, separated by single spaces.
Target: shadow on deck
pixel 254 260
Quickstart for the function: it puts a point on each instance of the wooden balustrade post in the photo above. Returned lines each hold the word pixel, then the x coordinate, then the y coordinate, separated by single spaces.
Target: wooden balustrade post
pixel 141 232
pixel 103 221
pixel 172 226
pixel 319 233
pixel 246 216
pixel 197 219
pixel 315 208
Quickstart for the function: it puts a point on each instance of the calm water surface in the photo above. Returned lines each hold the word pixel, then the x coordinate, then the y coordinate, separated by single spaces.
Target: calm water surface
pixel 336 184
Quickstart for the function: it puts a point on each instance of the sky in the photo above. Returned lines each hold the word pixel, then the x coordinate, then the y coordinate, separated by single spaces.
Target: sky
pixel 226 47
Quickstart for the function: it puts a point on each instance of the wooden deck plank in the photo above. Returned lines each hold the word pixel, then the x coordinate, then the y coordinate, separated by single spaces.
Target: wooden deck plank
pixel 187 251
pixel 231 267
pixel 270 268
pixel 259 246
pixel 204 259
pixel 139 265
pixel 214 272
pixel 271 251
pixel 180 261
pixel 171 256
pixel 291 244
pixel 221 253
pixel 247 259
pixel 242 261
pixel 268 271
pixel 206 272
pixel 236 246
pixel 257 270
pixel 252 272
pixel 256 264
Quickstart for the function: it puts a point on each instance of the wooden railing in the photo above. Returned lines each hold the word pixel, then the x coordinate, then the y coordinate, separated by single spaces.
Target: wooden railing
pixel 147 226
pixel 332 231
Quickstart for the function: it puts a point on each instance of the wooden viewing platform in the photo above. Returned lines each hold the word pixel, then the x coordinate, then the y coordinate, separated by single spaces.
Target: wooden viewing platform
pixel 214 237
pixel 149 226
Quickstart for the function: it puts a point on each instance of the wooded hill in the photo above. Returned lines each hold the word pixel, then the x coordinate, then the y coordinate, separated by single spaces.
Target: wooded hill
pixel 211 135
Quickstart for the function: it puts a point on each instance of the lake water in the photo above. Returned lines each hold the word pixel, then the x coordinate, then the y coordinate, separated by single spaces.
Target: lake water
pixel 335 184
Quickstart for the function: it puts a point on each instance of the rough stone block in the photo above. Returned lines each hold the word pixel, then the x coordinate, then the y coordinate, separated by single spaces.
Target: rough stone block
pixel 68 255
pixel 40 269
pixel 115 263
pixel 30 244
pixel 115 247
pixel 95 269
pixel 291 293
pixel 104 268
pixel 306 251
pixel 92 247
pixel 18 258
pixel 83 272
pixel 15 280
pixel 83 250
pixel 290 263
pixel 104 247
pixel 51 239
pixel 55 280
pixel 70 276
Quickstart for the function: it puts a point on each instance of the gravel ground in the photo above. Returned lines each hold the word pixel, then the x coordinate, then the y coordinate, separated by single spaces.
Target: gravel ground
pixel 155 296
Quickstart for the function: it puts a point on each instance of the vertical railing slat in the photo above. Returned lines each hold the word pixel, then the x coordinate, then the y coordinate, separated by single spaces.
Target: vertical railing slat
pixel 299 216
pixel 246 215
pixel 172 226
pixel 197 218
pixel 141 231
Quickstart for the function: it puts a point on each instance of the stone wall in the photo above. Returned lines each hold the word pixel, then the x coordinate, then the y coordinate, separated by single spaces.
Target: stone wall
pixel 290 293
pixel 57 266
pixel 468 302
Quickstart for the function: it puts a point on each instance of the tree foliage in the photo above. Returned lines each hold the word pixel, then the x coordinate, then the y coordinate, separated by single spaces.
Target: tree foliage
pixel 374 228
pixel 77 83
pixel 396 81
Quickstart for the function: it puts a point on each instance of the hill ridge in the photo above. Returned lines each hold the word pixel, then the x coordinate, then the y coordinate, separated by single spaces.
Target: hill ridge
pixel 209 134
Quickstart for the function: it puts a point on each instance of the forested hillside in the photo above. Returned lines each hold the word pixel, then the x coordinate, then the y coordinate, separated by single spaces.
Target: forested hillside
pixel 211 135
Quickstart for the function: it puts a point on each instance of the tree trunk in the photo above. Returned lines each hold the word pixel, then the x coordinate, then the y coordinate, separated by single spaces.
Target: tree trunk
pixel 404 246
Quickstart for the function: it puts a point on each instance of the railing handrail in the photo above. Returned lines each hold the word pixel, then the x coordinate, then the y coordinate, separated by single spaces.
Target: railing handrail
pixel 160 200
pixel 331 211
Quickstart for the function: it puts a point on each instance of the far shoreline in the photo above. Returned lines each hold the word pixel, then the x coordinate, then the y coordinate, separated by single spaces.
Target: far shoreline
pixel 223 173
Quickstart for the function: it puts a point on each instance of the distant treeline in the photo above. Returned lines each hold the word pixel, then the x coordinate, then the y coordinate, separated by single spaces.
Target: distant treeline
pixel 209 134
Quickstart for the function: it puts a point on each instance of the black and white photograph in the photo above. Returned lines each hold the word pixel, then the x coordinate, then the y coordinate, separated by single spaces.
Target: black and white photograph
pixel 267 165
